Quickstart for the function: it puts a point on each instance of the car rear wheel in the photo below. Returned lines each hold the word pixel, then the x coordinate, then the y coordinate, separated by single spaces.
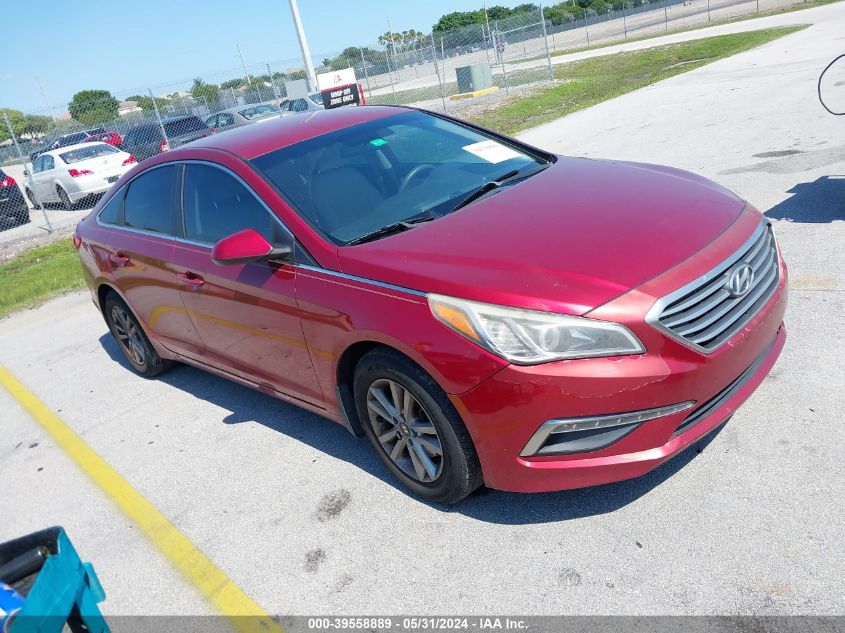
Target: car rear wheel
pixel 414 428
pixel 132 340
pixel 64 198
pixel 23 215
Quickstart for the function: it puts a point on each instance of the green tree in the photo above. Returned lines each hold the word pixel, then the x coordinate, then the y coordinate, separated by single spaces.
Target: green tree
pixel 459 20
pixel 236 83
pixel 37 125
pixel 92 107
pixel 146 103
pixel 16 118
pixel 351 57
pixel 201 90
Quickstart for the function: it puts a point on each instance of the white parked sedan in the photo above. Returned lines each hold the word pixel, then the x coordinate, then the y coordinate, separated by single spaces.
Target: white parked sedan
pixel 69 174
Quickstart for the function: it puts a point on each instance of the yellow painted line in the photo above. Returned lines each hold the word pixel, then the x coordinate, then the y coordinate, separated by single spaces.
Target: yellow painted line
pixel 245 615
pixel 474 93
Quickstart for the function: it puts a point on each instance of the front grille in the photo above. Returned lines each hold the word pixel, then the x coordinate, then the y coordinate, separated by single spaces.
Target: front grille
pixel 704 313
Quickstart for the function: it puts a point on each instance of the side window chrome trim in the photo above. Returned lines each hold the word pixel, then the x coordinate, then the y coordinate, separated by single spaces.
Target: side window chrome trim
pixel 373 282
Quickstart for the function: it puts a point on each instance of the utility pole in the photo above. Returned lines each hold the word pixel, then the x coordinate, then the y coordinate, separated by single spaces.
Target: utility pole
pixel 273 83
pixel 46 103
pixel 243 63
pixel 303 46
pixel 487 20
pixel 392 47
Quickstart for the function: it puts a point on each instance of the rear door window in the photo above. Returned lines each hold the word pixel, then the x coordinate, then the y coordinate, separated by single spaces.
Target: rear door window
pixel 148 204
pixel 215 205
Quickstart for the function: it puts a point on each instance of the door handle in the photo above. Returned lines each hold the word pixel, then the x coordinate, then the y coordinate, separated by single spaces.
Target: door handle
pixel 118 260
pixel 190 280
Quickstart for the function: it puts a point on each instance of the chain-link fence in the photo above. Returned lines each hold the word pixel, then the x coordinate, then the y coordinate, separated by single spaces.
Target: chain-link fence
pixel 429 70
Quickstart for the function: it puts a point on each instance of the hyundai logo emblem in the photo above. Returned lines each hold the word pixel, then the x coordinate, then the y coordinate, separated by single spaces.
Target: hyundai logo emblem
pixel 740 280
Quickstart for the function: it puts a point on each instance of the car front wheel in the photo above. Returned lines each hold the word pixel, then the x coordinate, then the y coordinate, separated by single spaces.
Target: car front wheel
pixel 414 428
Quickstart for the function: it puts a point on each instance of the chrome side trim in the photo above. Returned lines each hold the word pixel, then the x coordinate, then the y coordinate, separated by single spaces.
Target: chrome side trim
pixel 569 425
pixel 656 310
pixel 381 284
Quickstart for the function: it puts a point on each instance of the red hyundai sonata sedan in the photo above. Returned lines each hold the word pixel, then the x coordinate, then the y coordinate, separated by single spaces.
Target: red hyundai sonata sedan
pixel 481 310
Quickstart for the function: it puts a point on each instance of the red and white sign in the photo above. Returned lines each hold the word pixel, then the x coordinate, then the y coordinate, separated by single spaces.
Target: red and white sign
pixel 335 78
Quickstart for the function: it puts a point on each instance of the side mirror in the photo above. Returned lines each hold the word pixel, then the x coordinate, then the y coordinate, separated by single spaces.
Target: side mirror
pixel 246 247
pixel 26 172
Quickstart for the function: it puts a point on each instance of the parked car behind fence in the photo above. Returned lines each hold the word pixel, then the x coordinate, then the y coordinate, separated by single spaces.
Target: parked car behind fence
pixel 231 118
pixel 69 174
pixel 13 209
pixel 146 139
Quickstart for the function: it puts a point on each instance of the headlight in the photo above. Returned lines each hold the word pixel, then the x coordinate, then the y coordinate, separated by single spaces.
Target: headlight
pixel 527 337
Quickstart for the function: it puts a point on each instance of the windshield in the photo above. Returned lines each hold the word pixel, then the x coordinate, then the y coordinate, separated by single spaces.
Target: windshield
pixel 353 181
pixel 259 111
pixel 85 153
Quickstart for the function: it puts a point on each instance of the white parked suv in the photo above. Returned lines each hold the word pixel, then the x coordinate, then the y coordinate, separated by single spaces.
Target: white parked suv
pixel 69 174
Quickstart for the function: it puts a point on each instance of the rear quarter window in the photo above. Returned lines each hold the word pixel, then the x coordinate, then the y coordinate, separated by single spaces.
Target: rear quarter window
pixel 110 214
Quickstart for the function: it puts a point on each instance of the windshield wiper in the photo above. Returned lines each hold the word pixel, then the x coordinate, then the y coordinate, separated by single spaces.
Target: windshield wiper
pixel 491 185
pixel 396 227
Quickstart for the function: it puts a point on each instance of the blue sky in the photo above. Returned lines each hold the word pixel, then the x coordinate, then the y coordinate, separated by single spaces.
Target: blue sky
pixel 126 46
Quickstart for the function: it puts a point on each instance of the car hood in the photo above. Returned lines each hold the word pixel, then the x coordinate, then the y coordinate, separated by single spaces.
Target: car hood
pixel 565 240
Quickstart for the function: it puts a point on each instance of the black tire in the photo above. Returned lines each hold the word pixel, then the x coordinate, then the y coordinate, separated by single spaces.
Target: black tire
pixel 23 216
pixel 459 471
pixel 67 205
pixel 131 339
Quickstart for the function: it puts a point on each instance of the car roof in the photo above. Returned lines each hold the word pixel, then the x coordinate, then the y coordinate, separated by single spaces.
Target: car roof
pixel 250 141
pixel 67 148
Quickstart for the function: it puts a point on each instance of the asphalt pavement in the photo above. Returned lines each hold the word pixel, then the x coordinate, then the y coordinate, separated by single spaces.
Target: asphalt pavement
pixel 307 521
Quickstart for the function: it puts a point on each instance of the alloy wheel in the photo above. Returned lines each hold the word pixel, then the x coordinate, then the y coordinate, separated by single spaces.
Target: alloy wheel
pixel 405 430
pixel 129 335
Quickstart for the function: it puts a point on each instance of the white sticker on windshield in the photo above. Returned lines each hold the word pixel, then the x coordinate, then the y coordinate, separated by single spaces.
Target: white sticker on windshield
pixel 491 151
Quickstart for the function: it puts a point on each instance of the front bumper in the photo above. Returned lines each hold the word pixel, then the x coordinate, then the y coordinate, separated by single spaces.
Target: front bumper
pixel 504 412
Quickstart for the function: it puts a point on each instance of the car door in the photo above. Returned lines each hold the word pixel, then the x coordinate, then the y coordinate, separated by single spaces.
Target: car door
pixel 34 178
pixel 139 256
pixel 246 315
pixel 43 179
